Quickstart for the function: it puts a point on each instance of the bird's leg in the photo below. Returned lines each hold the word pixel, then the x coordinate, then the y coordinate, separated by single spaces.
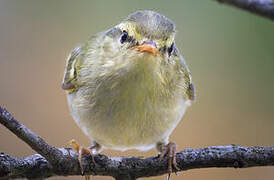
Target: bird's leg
pixel 169 150
pixel 86 151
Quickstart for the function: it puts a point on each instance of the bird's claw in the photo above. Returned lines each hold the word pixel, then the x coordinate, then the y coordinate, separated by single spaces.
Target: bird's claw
pixel 170 151
pixel 82 151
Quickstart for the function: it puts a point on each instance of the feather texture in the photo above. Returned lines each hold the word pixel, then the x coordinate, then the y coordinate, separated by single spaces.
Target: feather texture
pixel 123 98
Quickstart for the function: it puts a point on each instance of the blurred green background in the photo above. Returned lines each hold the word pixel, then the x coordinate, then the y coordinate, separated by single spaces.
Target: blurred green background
pixel 230 54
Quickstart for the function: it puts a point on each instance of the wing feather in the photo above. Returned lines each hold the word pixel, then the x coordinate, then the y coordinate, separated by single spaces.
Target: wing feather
pixel 73 66
pixel 190 89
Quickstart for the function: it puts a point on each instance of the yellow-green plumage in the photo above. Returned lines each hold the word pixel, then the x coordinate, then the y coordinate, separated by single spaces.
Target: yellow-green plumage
pixel 122 98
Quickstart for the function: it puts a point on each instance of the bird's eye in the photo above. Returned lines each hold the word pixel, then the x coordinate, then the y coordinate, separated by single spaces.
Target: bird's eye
pixel 170 49
pixel 124 37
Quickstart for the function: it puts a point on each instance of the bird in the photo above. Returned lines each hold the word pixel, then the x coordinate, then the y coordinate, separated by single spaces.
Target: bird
pixel 128 87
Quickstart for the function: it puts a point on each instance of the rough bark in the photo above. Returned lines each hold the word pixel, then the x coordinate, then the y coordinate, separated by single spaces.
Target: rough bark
pixel 53 161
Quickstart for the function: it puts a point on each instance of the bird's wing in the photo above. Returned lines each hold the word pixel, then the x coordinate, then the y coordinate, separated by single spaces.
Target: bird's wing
pixel 75 63
pixel 73 67
pixel 190 92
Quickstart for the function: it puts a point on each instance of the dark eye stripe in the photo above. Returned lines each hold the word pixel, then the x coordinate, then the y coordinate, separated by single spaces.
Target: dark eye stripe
pixel 124 37
pixel 170 49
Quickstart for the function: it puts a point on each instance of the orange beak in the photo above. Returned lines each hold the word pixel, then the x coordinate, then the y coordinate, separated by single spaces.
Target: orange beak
pixel 148 47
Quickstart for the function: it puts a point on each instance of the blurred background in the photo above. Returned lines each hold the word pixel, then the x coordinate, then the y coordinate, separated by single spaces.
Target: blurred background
pixel 230 54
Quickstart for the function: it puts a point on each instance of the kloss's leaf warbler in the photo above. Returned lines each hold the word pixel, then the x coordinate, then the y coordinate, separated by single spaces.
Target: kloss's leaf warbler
pixel 128 87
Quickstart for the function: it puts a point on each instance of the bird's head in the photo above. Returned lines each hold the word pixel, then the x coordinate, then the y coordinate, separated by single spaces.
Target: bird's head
pixel 145 32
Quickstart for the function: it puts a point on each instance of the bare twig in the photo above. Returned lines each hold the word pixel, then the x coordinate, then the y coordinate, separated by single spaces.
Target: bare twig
pixel 52 154
pixel 264 8
pixel 126 168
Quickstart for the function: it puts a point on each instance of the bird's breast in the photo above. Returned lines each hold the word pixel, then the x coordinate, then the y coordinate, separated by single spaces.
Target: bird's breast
pixel 134 108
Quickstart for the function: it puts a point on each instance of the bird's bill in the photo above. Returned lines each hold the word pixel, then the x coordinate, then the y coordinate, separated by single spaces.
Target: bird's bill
pixel 148 47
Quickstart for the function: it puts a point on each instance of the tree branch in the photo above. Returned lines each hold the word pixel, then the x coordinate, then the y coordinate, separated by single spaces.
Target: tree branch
pixel 264 8
pixel 52 154
pixel 122 168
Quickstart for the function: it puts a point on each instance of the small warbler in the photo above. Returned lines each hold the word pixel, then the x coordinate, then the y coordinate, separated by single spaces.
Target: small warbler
pixel 128 87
